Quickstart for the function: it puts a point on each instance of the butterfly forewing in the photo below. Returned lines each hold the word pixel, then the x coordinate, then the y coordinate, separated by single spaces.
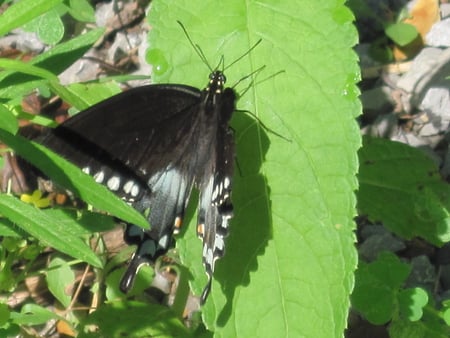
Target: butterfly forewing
pixel 145 128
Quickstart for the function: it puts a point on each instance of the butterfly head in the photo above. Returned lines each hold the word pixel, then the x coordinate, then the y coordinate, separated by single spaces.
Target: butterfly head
pixel 216 83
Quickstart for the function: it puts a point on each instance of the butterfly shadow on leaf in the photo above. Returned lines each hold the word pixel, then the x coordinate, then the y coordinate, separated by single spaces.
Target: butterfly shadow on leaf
pixel 250 227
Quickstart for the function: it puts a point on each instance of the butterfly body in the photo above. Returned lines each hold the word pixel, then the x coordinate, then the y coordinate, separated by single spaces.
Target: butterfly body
pixel 151 145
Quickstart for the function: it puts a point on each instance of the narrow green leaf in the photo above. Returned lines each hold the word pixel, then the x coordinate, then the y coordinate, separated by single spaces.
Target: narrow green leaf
pixel 54 60
pixel 43 227
pixel 8 121
pixel 82 222
pixel 8 229
pixel 27 68
pixel 69 96
pixel 24 11
pixel 37 119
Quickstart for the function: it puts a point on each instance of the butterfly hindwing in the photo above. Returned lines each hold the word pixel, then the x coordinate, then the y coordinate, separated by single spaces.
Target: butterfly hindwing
pixel 167 204
pixel 215 208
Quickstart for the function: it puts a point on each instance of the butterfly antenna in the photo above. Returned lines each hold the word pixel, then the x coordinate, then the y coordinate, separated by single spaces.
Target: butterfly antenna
pixel 270 76
pixel 249 112
pixel 196 47
pixel 221 63
pixel 246 77
pixel 245 54
pixel 253 81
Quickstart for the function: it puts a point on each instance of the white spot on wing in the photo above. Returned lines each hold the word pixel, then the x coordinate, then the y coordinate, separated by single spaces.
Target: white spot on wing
pixel 224 223
pixel 163 241
pixel 127 187
pixel 113 183
pixel 86 170
pixel 135 190
pixel 209 259
pixel 215 193
pixel 99 177
pixel 226 183
pixel 208 255
pixel 219 243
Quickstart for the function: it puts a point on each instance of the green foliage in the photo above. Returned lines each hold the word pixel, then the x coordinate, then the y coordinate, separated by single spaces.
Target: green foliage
pixel 377 286
pixel 411 303
pixel 24 11
pixel 44 17
pixel 48 27
pixel 30 315
pixel 35 222
pixel 15 85
pixel 291 250
pixel 58 277
pixel 390 25
pixel 133 319
pixel 12 250
pixel 401 186
pixel 9 122
pixel 380 297
pixel 401 33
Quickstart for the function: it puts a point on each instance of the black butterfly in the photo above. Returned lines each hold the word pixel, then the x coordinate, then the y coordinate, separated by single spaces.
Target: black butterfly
pixel 151 145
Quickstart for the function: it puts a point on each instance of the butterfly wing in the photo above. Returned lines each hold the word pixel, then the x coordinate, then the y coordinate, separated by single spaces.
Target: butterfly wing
pixel 215 207
pixel 140 144
pixel 132 129
pixel 151 145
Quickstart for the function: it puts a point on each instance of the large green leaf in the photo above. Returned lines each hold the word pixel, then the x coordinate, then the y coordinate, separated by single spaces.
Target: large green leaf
pixel 290 257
